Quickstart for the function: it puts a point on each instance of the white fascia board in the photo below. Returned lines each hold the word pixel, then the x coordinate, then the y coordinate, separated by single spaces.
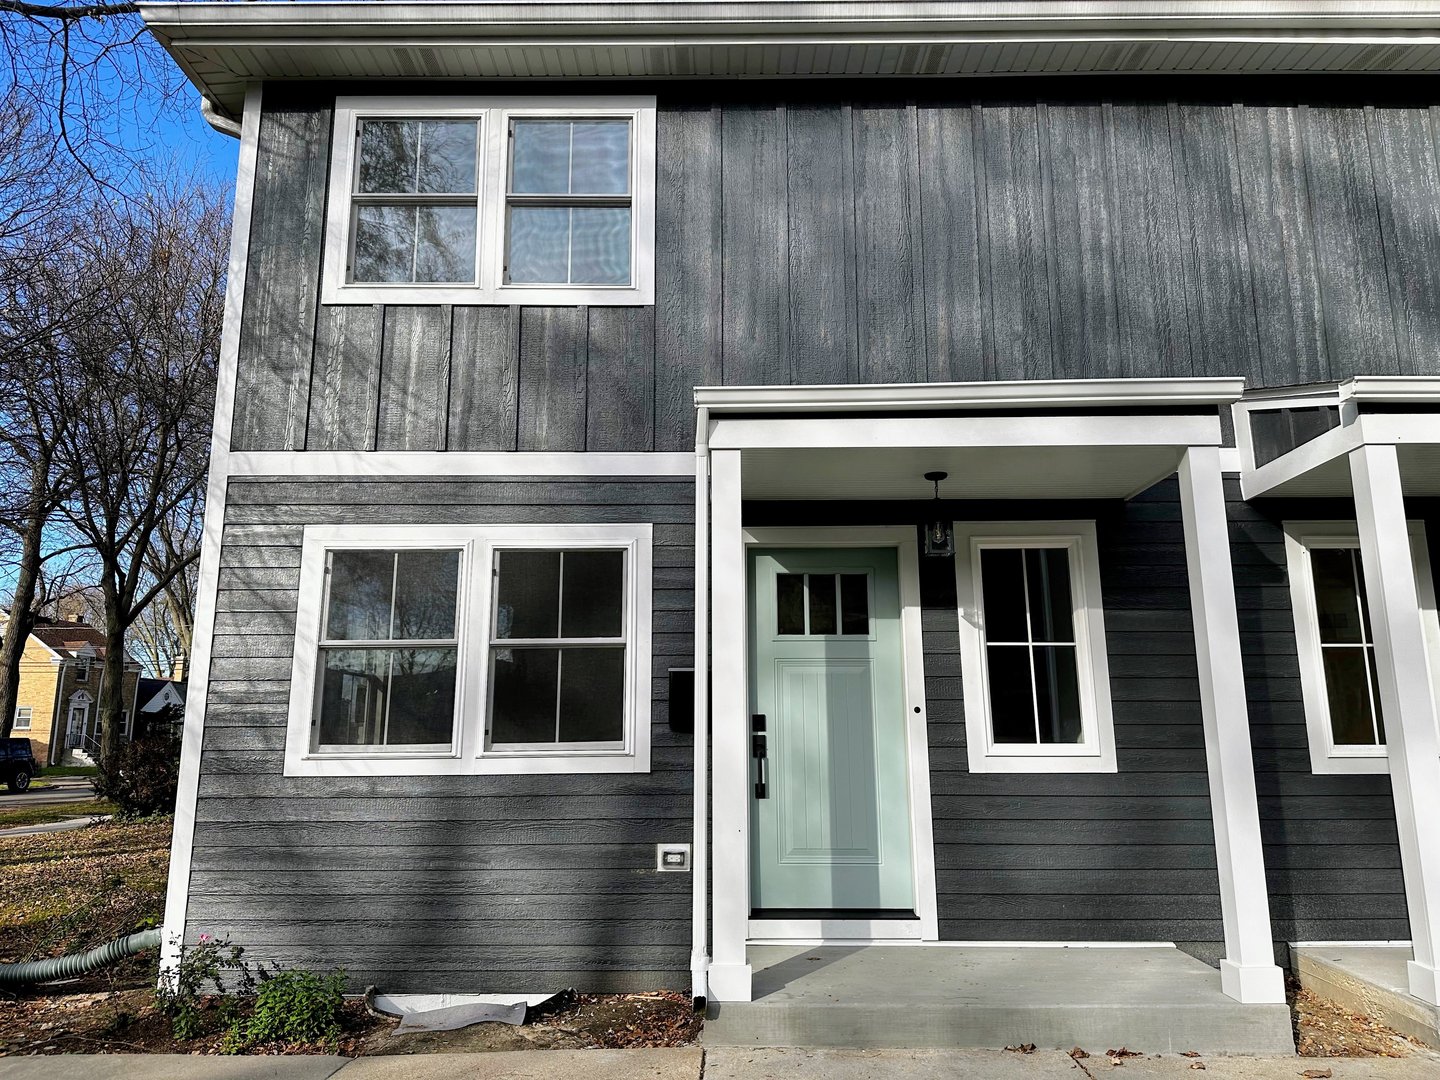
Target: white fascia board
pixel 1060 431
pixel 1018 394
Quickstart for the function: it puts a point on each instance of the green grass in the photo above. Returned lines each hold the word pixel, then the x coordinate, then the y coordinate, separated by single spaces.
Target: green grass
pixel 70 770
pixel 13 816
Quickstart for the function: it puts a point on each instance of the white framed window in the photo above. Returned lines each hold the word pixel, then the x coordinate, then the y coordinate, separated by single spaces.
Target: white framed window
pixel 24 717
pixel 491 200
pixel 1036 681
pixel 82 671
pixel 472 649
pixel 1344 720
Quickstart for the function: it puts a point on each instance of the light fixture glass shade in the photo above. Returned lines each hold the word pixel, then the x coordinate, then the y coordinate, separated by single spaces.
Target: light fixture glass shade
pixel 939 538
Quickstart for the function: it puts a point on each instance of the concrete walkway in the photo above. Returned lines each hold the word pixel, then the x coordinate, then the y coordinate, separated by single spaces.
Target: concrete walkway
pixel 52 826
pixel 715 1064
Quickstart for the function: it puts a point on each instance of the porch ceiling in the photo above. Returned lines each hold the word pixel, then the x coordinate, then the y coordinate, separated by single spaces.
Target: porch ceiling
pixel 1419 473
pixel 1017 472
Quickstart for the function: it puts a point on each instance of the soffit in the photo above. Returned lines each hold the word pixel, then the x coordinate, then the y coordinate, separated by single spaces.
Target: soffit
pixel 222 46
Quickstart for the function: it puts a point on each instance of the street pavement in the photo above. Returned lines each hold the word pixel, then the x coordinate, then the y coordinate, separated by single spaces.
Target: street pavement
pixel 60 790
pixel 691 1063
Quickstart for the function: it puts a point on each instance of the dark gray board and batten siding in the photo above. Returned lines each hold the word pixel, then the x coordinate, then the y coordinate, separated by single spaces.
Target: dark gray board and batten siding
pixel 864 241
pixel 436 883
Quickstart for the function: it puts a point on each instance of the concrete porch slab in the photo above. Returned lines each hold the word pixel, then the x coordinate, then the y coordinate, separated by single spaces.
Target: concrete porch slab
pixel 1156 1000
pixel 1370 980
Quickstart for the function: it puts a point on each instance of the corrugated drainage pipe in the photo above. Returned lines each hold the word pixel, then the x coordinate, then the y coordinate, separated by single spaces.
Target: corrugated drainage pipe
pixel 67 967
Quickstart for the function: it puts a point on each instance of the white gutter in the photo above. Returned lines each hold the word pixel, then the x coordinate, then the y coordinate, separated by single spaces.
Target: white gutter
pixel 699 847
pixel 1045 393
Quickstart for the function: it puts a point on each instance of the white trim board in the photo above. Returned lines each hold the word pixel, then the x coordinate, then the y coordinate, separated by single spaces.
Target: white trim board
pixel 926 432
pixel 911 942
pixel 378 464
pixel 177 890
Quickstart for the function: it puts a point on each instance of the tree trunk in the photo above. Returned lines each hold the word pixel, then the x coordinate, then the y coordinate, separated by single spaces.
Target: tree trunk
pixel 22 613
pixel 112 682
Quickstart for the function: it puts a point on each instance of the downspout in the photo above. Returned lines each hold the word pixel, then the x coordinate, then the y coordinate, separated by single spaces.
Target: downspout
pixel 218 120
pixel 75 964
pixel 700 853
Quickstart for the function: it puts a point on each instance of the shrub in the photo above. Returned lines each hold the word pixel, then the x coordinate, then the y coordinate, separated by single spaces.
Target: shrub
pixel 292 1007
pixel 205 972
pixel 141 777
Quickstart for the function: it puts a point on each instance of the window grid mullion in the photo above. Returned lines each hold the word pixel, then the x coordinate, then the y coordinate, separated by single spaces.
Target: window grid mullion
pixel 394 580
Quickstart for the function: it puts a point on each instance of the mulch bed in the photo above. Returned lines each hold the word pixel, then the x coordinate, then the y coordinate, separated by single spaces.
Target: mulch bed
pixel 124 1021
pixel 1324 1029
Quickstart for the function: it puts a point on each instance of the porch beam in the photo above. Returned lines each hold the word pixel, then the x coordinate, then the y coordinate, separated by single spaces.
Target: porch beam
pixel 1405 697
pixel 1248 973
pixel 1041 429
pixel 730 744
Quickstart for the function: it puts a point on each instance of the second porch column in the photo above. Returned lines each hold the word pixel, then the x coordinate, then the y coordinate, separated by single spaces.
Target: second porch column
pixel 1249 972
pixel 730 741
pixel 1405 697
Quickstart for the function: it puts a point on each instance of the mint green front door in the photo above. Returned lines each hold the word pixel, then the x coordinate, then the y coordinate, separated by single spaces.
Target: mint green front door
pixel 830 808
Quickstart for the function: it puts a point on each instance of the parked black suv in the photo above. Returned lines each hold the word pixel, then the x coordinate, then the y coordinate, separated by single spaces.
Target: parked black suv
pixel 17 764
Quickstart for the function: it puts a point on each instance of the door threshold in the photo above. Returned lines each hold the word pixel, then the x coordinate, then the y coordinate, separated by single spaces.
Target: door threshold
pixel 841 929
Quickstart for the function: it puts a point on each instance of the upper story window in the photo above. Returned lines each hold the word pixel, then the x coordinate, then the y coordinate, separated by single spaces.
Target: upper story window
pixel 82 671
pixel 1032 636
pixel 492 201
pixel 1339 679
pixel 474 649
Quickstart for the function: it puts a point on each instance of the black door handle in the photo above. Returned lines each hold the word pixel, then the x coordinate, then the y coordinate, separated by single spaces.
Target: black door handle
pixel 759 752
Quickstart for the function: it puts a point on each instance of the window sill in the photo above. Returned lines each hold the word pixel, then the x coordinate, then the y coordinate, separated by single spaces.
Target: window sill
pixel 478 296
pixel 447 765
pixel 1341 764
pixel 1000 762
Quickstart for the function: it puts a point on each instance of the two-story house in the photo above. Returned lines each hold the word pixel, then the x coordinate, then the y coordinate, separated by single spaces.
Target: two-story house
pixel 61 672
pixel 708 494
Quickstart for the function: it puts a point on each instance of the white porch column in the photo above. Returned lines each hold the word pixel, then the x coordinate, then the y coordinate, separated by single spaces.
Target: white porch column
pixel 1405 697
pixel 730 740
pixel 1248 973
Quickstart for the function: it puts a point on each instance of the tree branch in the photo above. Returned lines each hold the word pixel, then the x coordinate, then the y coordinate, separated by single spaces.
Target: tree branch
pixel 66 12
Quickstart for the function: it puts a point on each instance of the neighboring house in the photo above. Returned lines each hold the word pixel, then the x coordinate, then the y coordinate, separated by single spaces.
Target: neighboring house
pixel 153 697
pixel 61 673
pixel 1060 559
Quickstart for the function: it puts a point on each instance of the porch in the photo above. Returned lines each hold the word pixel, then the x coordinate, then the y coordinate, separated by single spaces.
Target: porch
pixel 1154 999
pixel 936 829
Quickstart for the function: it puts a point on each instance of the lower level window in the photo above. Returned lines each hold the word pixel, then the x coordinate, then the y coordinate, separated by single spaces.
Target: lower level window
pixel 1036 682
pixel 1338 671
pixel 24 716
pixel 500 648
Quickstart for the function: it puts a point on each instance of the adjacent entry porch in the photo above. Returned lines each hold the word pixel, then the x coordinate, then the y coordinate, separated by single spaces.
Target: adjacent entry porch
pixel 1152 999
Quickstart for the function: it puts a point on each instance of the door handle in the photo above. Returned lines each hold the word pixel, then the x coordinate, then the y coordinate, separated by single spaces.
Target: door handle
pixel 759 752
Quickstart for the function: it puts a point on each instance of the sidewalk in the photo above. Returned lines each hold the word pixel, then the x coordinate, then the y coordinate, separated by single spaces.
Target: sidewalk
pixel 716 1064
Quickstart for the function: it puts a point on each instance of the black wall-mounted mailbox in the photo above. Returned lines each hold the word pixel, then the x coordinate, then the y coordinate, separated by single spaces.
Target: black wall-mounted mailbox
pixel 682 699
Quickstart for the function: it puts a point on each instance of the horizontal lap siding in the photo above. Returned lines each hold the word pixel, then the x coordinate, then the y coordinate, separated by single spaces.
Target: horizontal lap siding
pixel 436 883
pixel 1332 853
pixel 881 240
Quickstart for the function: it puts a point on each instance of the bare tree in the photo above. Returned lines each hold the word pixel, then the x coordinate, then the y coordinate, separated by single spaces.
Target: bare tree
pixel 41 291
pixel 137 441
pixel 95 77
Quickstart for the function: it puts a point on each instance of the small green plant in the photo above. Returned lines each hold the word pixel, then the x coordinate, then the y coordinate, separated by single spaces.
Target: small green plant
pixel 196 996
pixel 291 1007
